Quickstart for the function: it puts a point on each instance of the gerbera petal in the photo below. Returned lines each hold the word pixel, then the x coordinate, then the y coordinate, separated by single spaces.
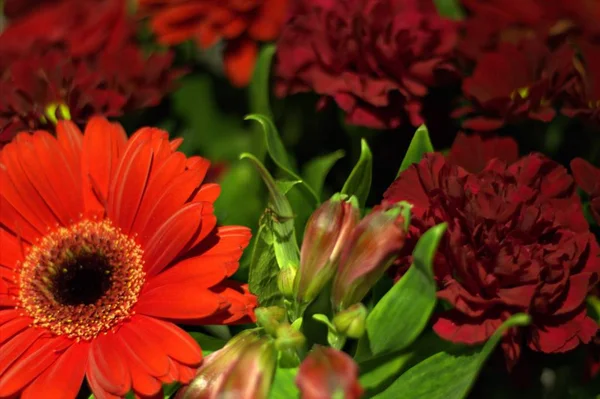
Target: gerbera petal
pixel 127 190
pixel 70 139
pixel 12 249
pixel 178 344
pixel 13 350
pixel 143 383
pixel 107 366
pixel 179 301
pixel 209 222
pixel 12 219
pixel 13 327
pixel 207 193
pixel 204 274
pixel 241 304
pixel 103 145
pixel 63 378
pixel 144 350
pixel 170 238
pixel 98 391
pixel 41 355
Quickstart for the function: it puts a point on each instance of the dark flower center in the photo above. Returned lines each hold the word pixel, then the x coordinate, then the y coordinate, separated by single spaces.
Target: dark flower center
pixel 83 280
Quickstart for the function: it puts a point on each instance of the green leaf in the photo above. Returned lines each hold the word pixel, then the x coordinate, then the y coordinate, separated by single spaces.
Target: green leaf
pixel 262 277
pixel 284 384
pixel 285 244
pixel 403 312
pixel 359 181
pixel 207 343
pixel 279 155
pixel 450 9
pixel 448 374
pixel 259 89
pixel 419 146
pixel 316 170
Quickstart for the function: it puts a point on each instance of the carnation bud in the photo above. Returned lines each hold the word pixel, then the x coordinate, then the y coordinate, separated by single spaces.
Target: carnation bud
pixel 370 250
pixel 326 231
pixel 270 318
pixel 243 369
pixel 352 321
pixel 285 281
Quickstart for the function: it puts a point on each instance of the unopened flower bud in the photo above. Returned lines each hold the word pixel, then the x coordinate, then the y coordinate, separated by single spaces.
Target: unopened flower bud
pixel 326 231
pixel 285 281
pixel 270 318
pixel 243 369
pixel 289 338
pixel 352 321
pixel 370 250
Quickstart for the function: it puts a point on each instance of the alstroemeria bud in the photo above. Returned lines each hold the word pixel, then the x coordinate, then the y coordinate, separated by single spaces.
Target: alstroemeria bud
pixel 243 369
pixel 328 373
pixel 326 231
pixel 288 337
pixel 352 321
pixel 270 318
pixel 370 250
pixel 285 281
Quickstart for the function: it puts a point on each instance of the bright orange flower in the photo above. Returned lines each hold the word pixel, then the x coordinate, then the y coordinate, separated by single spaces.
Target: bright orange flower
pixel 240 23
pixel 105 242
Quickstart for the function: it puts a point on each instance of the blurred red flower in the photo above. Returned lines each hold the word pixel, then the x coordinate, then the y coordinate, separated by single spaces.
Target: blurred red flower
pixel 328 373
pixel 587 177
pixel 240 23
pixel 516 82
pixel 583 99
pixel 376 58
pixel 517 241
pixel 473 152
pixel 75 55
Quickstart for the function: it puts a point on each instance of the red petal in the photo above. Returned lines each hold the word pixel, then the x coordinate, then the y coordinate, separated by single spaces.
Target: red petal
pixel 63 379
pixel 179 301
pixel 13 350
pixel 454 327
pixel 13 327
pixel 207 193
pixel 12 250
pixel 13 220
pixel 107 365
pixel 178 344
pixel 586 175
pixel 204 272
pixel 70 139
pixel 239 59
pixel 144 350
pixel 241 304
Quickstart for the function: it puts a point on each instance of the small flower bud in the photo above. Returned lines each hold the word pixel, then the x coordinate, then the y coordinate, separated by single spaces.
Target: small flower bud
pixel 352 321
pixel 289 338
pixel 370 250
pixel 326 231
pixel 243 369
pixel 285 281
pixel 270 318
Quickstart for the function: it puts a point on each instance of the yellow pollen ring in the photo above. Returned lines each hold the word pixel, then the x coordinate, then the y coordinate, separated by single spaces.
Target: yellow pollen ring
pixel 82 321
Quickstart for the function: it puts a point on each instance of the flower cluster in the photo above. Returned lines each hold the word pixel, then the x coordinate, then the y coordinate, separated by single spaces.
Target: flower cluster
pixel 517 241
pixel 73 59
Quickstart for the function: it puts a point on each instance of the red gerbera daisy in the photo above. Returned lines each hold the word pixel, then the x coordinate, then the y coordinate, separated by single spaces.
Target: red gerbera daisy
pixel 105 243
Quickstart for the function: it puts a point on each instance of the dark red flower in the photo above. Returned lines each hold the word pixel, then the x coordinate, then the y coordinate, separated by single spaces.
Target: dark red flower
pixel 473 152
pixel 587 177
pixel 516 82
pixel 75 59
pixel 241 24
pixel 328 373
pixel 376 58
pixel 583 99
pixel 517 241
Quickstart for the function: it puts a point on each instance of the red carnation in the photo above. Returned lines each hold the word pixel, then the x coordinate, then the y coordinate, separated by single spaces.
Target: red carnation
pixel 516 82
pixel 473 152
pixel 376 59
pixel 517 241
pixel 73 60
pixel 587 177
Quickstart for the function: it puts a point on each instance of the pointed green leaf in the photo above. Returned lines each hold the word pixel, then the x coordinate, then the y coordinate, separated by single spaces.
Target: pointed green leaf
pixel 448 374
pixel 282 218
pixel 262 277
pixel 279 155
pixel 359 181
pixel 316 170
pixel 403 312
pixel 450 9
pixel 259 88
pixel 419 146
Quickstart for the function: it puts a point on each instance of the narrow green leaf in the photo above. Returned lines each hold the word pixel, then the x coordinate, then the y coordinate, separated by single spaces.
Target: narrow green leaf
pixel 448 374
pixel 450 9
pixel 359 181
pixel 316 170
pixel 419 146
pixel 284 384
pixel 282 218
pixel 259 89
pixel 279 155
pixel 262 276
pixel 403 312
pixel 284 186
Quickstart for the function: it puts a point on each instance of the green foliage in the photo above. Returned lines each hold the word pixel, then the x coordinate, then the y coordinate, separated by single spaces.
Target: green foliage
pixel 359 181
pixel 259 90
pixel 402 313
pixel 419 146
pixel 284 384
pixel 316 170
pixel 262 277
pixel 450 9
pixel 448 374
